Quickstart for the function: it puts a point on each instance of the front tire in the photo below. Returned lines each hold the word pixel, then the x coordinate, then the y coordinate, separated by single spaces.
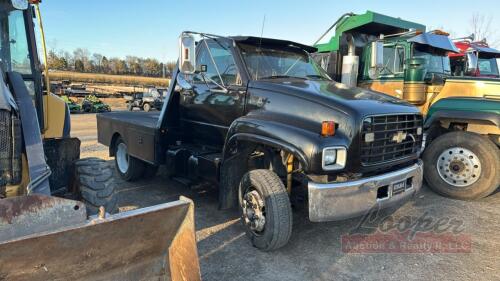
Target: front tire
pixel 94 179
pixel 265 209
pixel 146 107
pixel 129 168
pixel 462 165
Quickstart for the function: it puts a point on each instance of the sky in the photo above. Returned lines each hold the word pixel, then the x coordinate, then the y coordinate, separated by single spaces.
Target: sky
pixel 150 28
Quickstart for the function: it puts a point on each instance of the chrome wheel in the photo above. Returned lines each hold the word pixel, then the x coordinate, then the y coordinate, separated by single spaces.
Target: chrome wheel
pixel 459 166
pixel 254 214
pixel 122 157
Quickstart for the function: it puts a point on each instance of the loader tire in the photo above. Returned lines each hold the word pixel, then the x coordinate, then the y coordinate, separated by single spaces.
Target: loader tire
pixel 128 167
pixel 146 107
pixel 462 165
pixel 263 195
pixel 95 181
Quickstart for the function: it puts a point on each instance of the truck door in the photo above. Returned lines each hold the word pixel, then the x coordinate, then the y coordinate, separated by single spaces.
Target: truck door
pixel 391 77
pixel 217 95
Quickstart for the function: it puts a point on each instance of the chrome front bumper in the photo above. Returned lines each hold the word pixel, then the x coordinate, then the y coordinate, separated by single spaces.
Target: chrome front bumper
pixel 338 201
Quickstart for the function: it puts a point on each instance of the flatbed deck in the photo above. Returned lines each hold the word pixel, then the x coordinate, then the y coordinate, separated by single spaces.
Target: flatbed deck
pixel 138 129
pixel 140 118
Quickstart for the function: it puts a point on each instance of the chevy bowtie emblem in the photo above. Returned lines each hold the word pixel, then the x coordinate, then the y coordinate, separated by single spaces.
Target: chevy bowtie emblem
pixel 399 137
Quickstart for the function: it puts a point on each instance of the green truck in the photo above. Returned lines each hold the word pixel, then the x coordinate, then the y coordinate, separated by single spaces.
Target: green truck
pixel 400 58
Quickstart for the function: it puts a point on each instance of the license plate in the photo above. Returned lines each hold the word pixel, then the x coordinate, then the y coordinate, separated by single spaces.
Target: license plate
pixel 398 187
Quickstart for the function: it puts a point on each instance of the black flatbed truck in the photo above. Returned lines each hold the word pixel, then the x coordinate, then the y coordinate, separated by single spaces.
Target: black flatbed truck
pixel 259 119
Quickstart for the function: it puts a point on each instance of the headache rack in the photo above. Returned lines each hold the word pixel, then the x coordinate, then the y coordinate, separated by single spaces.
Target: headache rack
pixel 386 138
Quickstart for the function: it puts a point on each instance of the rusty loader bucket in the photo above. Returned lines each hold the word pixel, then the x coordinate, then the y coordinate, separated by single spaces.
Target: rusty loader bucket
pixel 49 238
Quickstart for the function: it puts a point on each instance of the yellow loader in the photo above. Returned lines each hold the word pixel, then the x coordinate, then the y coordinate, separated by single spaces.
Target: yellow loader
pixel 57 212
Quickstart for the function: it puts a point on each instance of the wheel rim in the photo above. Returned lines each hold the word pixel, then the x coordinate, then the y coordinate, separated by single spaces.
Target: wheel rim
pixel 254 211
pixel 122 157
pixel 459 166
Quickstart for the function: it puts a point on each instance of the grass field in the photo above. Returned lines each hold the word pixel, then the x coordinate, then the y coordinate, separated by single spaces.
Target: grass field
pixel 128 80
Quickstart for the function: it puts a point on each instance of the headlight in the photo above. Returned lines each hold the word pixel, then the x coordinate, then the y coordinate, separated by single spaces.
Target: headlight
pixel 334 158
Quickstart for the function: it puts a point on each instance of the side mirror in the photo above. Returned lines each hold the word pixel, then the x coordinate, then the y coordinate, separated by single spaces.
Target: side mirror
pixel 472 62
pixel 377 55
pixel 20 4
pixel 187 56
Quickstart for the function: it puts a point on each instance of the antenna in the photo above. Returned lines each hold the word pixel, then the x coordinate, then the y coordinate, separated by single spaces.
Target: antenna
pixel 260 45
pixel 262 29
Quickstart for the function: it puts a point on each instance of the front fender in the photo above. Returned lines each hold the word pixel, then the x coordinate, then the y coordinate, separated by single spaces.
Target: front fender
pixel 305 145
pixel 477 109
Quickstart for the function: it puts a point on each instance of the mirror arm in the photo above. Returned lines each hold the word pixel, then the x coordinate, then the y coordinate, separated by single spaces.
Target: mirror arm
pixel 222 87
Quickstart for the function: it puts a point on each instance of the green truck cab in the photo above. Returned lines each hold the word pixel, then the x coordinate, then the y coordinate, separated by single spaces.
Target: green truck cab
pixel 399 58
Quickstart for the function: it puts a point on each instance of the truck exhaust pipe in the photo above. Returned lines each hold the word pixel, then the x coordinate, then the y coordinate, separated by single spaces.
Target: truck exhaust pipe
pixel 350 64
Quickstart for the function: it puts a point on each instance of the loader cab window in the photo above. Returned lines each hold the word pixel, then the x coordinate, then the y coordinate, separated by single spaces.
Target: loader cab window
pixel 18 51
pixel 14 48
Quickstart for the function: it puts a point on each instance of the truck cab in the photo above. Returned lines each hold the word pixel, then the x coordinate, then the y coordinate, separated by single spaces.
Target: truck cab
pixel 260 120
pixel 475 59
pixel 399 58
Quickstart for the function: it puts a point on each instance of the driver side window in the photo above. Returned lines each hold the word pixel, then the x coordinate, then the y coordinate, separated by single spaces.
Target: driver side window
pixel 394 57
pixel 224 67
pixel 203 58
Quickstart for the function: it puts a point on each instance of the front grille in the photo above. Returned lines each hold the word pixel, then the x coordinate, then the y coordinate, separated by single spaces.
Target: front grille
pixel 387 138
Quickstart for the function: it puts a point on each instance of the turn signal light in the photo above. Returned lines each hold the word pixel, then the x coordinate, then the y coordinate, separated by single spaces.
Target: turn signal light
pixel 327 128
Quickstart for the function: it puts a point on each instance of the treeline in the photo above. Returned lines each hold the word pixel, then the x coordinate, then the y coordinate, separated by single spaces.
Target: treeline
pixel 82 61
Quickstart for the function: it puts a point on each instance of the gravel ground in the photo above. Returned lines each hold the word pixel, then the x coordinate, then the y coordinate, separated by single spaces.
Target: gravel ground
pixel 315 251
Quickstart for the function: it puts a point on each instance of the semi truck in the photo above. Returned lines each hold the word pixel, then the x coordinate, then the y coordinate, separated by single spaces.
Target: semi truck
pixel 462 114
pixel 58 217
pixel 475 58
pixel 261 121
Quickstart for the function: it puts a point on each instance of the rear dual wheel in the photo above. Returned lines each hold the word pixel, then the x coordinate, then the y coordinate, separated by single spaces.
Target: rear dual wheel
pixel 462 165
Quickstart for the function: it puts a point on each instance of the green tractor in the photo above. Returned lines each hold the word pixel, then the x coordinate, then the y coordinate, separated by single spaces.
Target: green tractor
pixel 93 104
pixel 72 105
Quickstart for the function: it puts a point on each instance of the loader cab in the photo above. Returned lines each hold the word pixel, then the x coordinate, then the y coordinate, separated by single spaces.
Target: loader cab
pixel 18 50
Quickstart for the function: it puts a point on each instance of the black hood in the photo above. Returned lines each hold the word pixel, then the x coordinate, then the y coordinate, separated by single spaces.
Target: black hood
pixel 337 96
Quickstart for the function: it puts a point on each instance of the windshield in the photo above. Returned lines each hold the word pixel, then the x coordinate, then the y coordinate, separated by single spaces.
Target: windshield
pixel 269 62
pixel 488 67
pixel 435 62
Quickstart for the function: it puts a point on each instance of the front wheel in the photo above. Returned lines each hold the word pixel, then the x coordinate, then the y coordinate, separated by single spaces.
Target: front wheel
pixel 265 209
pixel 462 165
pixel 95 182
pixel 146 107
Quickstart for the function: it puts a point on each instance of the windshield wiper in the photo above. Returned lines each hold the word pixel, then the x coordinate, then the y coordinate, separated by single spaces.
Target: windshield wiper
pixel 316 76
pixel 282 76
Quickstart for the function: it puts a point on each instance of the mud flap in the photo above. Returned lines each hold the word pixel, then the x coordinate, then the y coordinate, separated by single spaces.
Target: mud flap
pixel 49 238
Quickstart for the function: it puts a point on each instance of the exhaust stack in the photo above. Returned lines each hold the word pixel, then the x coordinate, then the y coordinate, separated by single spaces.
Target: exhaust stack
pixel 350 65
